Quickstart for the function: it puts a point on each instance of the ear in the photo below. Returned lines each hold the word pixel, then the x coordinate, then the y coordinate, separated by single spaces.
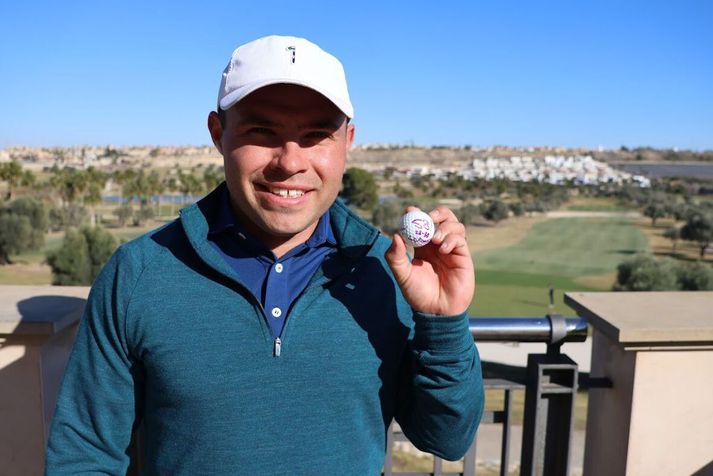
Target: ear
pixel 350 135
pixel 216 131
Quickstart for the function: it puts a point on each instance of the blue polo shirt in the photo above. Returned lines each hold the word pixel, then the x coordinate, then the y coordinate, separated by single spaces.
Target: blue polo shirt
pixel 275 283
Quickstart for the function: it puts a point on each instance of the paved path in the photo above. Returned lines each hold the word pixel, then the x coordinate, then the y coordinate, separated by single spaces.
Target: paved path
pixel 487 452
pixel 516 353
pixel 592 214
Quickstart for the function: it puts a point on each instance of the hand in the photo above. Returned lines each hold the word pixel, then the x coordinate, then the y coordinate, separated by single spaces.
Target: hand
pixel 441 277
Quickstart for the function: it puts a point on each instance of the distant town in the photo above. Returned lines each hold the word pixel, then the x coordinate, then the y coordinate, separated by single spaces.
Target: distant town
pixel 545 164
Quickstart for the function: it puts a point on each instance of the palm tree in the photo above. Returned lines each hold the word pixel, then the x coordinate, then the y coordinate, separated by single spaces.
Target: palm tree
pixel 11 172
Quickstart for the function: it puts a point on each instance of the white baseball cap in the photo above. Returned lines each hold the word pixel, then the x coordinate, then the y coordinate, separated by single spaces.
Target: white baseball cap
pixel 283 60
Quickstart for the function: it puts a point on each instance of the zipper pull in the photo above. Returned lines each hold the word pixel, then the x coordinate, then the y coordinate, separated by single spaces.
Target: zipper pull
pixel 278 346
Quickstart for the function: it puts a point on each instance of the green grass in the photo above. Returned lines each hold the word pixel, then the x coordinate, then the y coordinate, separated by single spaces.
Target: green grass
pixel 596 204
pixel 514 281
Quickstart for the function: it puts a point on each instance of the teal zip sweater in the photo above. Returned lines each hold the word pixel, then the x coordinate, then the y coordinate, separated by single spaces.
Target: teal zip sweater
pixel 171 337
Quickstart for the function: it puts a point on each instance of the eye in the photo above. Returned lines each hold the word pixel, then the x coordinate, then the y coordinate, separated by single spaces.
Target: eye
pixel 260 131
pixel 318 135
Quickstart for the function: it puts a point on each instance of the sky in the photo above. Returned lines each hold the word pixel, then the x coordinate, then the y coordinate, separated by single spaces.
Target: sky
pixel 569 73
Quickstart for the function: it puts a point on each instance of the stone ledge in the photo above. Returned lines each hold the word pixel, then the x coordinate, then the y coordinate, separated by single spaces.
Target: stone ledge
pixel 40 310
pixel 677 319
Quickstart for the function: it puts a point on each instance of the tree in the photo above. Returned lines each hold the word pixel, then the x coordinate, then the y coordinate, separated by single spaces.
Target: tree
pixel 402 192
pixel 70 184
pixel 645 273
pixel 15 233
pixel 387 216
pixel 696 276
pixel 11 172
pixel 655 210
pixel 359 188
pixel 72 215
pixel 518 209
pixel 23 224
pixel 673 233
pixel 37 215
pixel 496 211
pixel 142 186
pixel 100 245
pixel 93 194
pixel 70 263
pixel 213 176
pixel 190 185
pixel 699 228
pixel 123 213
pixel 81 256
pixel 142 215
pixel 468 214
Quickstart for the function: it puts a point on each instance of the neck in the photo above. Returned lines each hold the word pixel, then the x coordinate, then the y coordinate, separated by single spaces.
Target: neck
pixel 282 245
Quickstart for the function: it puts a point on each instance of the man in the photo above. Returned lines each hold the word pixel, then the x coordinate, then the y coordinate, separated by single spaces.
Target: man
pixel 270 330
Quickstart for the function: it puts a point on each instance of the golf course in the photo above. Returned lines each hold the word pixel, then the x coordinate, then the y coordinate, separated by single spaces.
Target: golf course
pixel 519 259
pixel 516 260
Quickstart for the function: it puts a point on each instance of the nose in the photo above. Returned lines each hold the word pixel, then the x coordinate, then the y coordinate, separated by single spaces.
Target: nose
pixel 291 158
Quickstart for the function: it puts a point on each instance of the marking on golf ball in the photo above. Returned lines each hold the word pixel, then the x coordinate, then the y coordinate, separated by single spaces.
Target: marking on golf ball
pixel 417 228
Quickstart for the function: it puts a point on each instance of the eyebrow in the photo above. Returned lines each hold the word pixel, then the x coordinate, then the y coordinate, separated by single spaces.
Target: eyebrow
pixel 258 120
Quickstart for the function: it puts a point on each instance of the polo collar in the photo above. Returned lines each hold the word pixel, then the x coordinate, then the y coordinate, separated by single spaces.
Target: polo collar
pixel 225 220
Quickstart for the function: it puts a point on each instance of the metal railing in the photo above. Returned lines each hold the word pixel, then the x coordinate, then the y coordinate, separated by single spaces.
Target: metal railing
pixel 551 384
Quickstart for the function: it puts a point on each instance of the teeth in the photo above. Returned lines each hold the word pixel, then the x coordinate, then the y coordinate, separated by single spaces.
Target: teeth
pixel 287 193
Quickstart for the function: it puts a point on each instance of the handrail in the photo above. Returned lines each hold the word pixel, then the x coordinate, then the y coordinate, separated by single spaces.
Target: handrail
pixel 550 329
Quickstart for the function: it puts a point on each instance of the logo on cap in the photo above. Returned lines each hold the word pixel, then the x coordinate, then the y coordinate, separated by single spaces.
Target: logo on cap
pixel 293 50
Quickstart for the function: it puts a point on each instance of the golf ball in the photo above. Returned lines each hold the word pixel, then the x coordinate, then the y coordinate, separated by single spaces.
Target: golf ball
pixel 417 228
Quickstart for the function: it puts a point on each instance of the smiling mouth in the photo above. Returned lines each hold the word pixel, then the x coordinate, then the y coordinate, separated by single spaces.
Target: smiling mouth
pixel 286 193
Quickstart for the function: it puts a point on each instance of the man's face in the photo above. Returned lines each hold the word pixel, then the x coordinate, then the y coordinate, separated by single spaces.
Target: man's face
pixel 284 149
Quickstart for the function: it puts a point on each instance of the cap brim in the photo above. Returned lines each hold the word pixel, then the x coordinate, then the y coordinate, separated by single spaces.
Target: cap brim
pixel 229 100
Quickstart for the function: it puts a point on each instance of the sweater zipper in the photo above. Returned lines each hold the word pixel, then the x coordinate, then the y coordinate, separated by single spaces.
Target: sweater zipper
pixel 277 342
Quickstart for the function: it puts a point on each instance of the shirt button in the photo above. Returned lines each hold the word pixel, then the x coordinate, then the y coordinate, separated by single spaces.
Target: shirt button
pixel 276 312
pixel 278 267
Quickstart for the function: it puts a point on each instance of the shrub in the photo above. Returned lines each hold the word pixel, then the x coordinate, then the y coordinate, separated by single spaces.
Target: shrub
pixel 123 213
pixel 645 273
pixel 496 211
pixel 696 276
pixel 23 224
pixel 387 215
pixel 81 256
pixel 359 188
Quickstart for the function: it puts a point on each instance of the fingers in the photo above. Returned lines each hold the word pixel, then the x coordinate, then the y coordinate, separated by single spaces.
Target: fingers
pixel 450 233
pixel 398 259
pixel 452 243
pixel 442 214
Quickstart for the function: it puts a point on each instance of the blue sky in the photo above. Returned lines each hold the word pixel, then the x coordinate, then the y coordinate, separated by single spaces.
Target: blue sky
pixel 570 73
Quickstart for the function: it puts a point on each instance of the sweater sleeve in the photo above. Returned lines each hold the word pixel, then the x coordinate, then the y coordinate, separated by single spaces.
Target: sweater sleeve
pixel 98 402
pixel 441 396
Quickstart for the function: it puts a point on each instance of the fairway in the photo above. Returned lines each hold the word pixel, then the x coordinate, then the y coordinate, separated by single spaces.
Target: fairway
pixel 514 281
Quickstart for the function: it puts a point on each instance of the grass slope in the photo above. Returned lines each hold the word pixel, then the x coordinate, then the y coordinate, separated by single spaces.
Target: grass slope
pixel 514 281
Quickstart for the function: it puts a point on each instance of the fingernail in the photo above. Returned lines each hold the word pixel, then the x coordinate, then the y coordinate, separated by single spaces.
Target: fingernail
pixel 437 235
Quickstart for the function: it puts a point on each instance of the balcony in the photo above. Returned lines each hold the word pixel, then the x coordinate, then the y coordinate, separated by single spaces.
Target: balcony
pixel 649 385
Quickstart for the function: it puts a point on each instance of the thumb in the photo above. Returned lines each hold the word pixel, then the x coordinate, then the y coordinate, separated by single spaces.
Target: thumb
pixel 398 259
